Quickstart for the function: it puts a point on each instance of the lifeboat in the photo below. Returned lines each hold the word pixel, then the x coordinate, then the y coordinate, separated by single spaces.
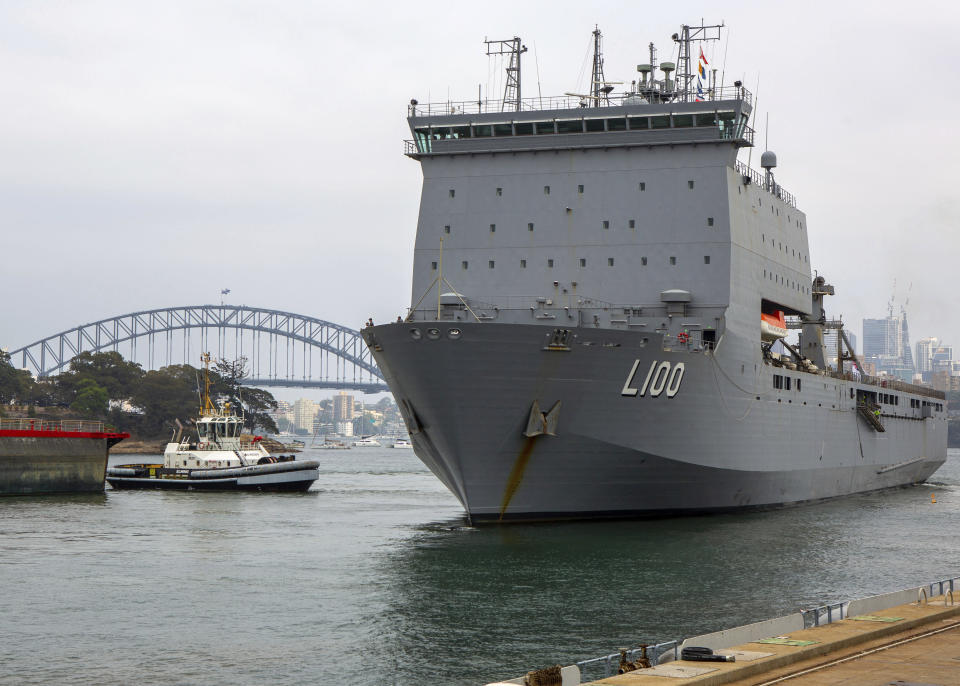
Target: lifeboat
pixel 773 326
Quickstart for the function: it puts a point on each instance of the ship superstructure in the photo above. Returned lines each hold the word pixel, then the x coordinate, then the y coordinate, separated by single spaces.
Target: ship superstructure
pixel 599 288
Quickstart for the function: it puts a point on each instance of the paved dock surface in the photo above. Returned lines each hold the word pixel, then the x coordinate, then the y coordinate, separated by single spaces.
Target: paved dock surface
pixel 906 645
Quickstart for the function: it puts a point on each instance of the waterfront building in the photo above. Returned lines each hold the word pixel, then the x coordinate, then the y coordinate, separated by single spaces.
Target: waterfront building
pixel 304 410
pixel 342 407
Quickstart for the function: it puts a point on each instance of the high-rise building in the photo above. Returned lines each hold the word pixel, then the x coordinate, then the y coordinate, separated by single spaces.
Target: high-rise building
pixel 830 344
pixel 882 337
pixel 925 348
pixel 342 407
pixel 304 410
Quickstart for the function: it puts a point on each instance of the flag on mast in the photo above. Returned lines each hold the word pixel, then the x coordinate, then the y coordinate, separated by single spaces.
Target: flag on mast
pixel 702 57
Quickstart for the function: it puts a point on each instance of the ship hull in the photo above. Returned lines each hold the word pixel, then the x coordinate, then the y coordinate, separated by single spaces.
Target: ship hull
pixel 285 476
pixel 725 439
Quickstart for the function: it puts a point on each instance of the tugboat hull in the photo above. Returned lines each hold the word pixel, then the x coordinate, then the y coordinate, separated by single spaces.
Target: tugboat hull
pixel 286 476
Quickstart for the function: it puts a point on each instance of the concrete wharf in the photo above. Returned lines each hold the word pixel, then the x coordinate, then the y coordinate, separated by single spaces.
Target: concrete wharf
pixel 884 640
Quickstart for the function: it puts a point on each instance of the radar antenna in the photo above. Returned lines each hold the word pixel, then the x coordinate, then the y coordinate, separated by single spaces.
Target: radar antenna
pixel 511 91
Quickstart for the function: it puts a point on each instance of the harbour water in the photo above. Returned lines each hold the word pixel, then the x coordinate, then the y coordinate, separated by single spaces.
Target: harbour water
pixel 373 578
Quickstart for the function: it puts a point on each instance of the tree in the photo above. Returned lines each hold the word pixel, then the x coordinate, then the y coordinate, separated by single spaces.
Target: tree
pixel 253 403
pixel 108 369
pixel 15 384
pixel 92 400
pixel 165 395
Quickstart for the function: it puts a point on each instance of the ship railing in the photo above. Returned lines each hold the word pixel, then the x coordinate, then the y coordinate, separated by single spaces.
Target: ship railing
pixel 556 102
pixel 759 179
pixel 608 665
pixel 892 384
pixel 63 425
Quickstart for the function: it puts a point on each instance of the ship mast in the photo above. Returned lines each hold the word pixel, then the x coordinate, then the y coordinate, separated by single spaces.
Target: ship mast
pixel 688 35
pixel 598 87
pixel 511 91
pixel 208 409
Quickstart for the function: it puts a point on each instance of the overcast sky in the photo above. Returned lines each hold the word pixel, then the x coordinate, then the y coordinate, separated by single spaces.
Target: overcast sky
pixel 154 153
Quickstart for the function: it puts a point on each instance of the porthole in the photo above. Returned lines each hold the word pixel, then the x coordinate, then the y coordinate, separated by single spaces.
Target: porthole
pixel 433 334
pixel 415 334
pixel 453 334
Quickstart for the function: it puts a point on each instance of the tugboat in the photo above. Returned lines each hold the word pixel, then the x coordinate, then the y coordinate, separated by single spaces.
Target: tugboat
pixel 220 458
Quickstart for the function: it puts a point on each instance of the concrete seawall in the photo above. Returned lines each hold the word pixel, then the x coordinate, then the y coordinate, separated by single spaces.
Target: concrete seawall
pixel 34 465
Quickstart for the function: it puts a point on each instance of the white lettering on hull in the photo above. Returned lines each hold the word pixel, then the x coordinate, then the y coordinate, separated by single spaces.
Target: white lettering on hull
pixel 662 376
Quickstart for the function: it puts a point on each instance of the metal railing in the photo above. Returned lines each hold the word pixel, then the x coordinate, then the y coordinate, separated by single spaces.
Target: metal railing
pixel 760 180
pixel 824 614
pixel 608 665
pixel 67 425
pixel 557 102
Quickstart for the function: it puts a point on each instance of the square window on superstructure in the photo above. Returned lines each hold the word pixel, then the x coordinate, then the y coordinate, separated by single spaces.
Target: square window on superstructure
pixel 787 380
pixel 709 221
pixel 523 128
pixel 580 189
pixel 523 264
pixel 446 229
pixel 550 263
pixel 609 261
pixel 499 191
pixel 690 184
pixel 546 190
pixel 632 223
pixel 465 264
pixel 583 261
pixel 643 261
pixel 706 259
pixel 490 264
pixel 433 266
pixel 493 228
pixel 673 260
pixel 643 185
pixel 594 124
pixel 529 226
pixel 606 223
pixel 453 192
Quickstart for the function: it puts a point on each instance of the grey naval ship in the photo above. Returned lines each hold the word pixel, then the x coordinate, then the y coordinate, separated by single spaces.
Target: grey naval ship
pixel 601 302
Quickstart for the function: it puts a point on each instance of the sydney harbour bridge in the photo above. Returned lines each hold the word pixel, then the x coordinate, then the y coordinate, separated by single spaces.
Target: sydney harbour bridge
pixel 282 348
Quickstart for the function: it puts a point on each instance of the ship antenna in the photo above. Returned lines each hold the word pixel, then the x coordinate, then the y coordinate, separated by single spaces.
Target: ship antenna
pixel 511 90
pixel 208 408
pixel 536 61
pixel 598 80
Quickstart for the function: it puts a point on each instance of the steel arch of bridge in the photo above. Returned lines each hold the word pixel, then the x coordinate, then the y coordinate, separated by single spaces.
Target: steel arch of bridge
pixel 53 354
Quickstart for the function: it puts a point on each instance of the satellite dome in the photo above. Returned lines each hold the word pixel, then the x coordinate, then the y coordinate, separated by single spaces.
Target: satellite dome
pixel 768 160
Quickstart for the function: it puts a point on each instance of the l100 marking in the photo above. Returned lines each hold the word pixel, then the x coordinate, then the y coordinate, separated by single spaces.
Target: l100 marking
pixel 661 376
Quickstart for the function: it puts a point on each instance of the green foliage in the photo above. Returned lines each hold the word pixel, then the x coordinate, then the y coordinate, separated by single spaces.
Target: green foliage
pixel 163 396
pixel 91 401
pixel 14 383
pixel 253 403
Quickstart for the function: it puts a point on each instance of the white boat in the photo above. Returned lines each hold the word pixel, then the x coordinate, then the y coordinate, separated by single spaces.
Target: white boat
pixel 366 443
pixel 220 458
pixel 332 444
pixel 402 443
